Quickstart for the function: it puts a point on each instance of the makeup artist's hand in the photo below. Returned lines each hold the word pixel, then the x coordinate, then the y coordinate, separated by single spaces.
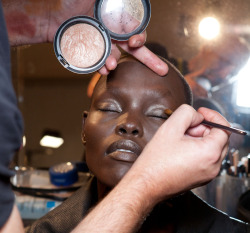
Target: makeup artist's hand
pixel 31 22
pixel 122 22
pixel 183 154
pixel 134 46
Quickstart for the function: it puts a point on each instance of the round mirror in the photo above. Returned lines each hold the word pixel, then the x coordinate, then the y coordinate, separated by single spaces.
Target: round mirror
pixel 123 18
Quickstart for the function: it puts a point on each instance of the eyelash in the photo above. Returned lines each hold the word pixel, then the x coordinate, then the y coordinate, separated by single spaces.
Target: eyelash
pixel 160 117
pixel 165 117
pixel 107 110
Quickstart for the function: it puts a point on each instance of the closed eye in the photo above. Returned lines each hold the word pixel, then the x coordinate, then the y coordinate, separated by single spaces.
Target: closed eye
pixel 108 110
pixel 157 111
pixel 164 117
pixel 109 107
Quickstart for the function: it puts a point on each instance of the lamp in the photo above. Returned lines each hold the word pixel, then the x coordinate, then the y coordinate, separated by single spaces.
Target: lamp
pixel 241 95
pixel 209 28
pixel 52 139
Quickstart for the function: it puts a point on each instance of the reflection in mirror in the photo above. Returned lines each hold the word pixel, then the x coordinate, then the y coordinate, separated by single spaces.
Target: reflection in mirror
pixel 215 65
pixel 209 42
pixel 122 16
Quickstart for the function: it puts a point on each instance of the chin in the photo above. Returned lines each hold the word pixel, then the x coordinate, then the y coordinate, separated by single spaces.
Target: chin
pixel 113 177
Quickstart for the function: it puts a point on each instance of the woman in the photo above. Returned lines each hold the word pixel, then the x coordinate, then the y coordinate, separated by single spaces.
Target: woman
pixel 128 106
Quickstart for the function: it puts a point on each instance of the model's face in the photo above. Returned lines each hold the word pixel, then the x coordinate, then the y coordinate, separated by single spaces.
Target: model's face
pixel 125 113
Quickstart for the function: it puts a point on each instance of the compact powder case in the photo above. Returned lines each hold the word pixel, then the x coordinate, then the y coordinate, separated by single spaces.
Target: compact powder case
pixel 82 44
pixel 123 18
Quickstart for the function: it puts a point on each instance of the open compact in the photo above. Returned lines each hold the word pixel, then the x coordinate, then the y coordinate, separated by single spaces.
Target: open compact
pixel 82 44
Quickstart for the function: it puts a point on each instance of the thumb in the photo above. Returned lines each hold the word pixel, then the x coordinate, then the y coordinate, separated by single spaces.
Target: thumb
pixel 182 119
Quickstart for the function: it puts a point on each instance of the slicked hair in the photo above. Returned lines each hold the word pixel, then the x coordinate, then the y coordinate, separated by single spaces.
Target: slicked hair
pixel 187 90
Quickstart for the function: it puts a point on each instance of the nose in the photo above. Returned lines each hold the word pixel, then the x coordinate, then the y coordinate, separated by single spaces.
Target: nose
pixel 129 125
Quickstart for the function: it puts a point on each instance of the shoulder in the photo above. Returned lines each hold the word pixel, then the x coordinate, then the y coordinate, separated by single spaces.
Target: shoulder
pixel 196 214
pixel 66 217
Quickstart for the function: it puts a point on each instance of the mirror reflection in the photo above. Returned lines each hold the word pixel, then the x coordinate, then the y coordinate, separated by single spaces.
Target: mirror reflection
pixel 208 41
pixel 122 16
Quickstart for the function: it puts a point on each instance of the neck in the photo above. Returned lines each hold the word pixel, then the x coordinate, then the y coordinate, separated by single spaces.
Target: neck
pixel 160 219
pixel 102 190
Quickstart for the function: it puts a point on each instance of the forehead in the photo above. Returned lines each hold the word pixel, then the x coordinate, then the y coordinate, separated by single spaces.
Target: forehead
pixel 134 77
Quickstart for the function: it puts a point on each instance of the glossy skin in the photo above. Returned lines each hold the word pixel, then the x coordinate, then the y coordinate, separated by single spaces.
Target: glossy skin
pixel 124 115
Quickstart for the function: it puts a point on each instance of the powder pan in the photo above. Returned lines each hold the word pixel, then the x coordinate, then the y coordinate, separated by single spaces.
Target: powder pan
pixel 123 18
pixel 82 44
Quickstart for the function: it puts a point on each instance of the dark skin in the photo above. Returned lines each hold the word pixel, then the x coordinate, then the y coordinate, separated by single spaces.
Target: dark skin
pixel 125 113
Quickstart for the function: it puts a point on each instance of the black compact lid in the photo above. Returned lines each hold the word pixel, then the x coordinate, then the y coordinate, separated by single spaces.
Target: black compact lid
pixel 117 17
pixel 77 20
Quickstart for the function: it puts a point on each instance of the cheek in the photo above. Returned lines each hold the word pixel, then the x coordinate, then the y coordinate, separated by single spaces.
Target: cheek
pixel 96 128
pixel 97 134
pixel 153 126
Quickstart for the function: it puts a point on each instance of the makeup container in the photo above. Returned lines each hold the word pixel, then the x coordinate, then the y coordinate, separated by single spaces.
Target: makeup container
pixel 63 174
pixel 82 44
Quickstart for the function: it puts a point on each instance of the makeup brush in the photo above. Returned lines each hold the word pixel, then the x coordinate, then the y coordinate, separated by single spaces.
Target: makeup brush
pixel 209 123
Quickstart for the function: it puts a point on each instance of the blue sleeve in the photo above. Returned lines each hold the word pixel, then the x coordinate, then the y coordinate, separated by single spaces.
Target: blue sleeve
pixel 11 128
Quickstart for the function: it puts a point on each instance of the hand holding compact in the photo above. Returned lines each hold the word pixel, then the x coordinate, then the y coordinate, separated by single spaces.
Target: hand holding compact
pixel 84 44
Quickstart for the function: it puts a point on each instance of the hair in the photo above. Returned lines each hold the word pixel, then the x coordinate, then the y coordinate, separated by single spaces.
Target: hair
pixel 187 90
pixel 209 103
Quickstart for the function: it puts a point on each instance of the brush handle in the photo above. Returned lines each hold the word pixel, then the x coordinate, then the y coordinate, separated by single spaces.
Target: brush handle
pixel 231 129
pixel 209 123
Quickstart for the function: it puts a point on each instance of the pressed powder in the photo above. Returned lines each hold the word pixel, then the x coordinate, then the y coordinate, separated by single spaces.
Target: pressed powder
pixel 82 45
pixel 123 18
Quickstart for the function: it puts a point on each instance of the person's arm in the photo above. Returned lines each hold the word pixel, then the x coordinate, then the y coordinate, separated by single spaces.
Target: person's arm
pixel 178 158
pixel 31 22
pixel 182 155
pixel 14 223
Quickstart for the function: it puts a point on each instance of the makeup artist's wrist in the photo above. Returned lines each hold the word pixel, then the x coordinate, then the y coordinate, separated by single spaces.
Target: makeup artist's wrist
pixel 146 190
pixel 137 194
pixel 30 22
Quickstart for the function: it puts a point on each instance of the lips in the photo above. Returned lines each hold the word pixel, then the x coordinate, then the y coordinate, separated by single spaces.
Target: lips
pixel 124 150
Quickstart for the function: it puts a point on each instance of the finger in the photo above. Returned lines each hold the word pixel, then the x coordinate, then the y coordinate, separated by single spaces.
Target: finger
pixel 111 64
pixel 111 61
pixel 221 137
pixel 137 40
pixel 198 131
pixel 147 57
pixel 104 70
pixel 183 118
pixel 224 152
pixel 215 117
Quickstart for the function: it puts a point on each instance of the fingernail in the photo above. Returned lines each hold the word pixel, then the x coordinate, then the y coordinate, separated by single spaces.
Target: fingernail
pixel 138 43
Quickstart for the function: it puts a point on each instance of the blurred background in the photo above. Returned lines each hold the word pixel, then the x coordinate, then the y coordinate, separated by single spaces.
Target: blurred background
pixel 208 41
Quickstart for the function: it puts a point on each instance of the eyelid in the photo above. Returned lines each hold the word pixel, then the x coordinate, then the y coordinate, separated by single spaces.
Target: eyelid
pixel 109 105
pixel 157 111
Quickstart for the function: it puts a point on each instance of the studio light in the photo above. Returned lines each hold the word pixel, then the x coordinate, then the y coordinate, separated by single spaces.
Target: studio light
pixel 24 141
pixel 209 28
pixel 242 95
pixel 51 139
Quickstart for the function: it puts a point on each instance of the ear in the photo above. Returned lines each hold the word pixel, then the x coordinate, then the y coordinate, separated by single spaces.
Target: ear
pixel 84 117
